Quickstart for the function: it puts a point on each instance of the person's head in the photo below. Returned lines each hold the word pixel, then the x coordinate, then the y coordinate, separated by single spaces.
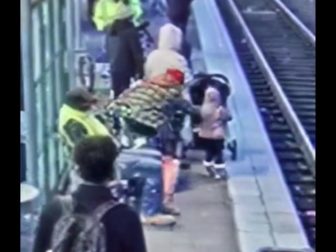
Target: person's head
pixel 79 98
pixel 95 157
pixel 212 96
pixel 170 37
pixel 211 102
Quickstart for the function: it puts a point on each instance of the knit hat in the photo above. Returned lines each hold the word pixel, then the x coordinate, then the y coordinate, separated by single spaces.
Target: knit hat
pixel 79 97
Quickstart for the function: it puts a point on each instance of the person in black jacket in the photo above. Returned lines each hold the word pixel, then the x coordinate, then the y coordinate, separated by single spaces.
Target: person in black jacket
pixel 118 19
pixel 129 59
pixel 178 12
pixel 95 157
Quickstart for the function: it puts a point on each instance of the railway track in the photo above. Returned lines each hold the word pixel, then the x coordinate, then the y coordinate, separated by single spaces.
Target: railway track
pixel 279 63
pixel 304 10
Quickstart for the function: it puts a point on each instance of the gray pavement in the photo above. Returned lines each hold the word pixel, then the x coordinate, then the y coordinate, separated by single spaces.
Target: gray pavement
pixel 206 223
pixel 262 208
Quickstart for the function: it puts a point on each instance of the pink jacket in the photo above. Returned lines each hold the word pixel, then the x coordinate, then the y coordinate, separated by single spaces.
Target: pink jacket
pixel 214 116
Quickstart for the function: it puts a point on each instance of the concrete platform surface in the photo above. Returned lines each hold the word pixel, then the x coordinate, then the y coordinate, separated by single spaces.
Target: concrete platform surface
pixel 206 223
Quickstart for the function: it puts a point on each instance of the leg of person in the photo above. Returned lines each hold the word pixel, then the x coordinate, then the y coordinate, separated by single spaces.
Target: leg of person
pixel 185 47
pixel 219 159
pixel 170 167
pixel 152 195
pixel 209 156
pixel 207 147
pixel 120 81
pixel 112 44
pixel 151 202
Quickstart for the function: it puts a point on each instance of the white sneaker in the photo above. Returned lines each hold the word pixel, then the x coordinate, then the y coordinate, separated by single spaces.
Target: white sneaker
pixel 158 220
pixel 220 166
pixel 220 169
pixel 208 164
pixel 217 176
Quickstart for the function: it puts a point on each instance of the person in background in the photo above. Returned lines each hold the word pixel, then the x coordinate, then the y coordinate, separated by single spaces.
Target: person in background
pixel 167 55
pixel 214 118
pixel 178 13
pixel 77 121
pixel 95 158
pixel 90 10
pixel 118 19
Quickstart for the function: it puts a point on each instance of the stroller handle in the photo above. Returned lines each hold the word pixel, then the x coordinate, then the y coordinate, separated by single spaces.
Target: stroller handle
pixel 211 76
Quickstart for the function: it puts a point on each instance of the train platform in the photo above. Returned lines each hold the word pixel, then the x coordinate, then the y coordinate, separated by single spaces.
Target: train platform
pixel 253 208
pixel 255 196
pixel 263 210
pixel 206 223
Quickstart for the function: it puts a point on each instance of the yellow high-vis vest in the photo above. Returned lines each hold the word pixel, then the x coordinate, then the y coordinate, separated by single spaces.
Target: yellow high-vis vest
pixel 92 126
pixel 106 12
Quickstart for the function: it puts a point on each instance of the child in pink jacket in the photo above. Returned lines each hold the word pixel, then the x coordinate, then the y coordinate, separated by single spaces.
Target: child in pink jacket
pixel 212 130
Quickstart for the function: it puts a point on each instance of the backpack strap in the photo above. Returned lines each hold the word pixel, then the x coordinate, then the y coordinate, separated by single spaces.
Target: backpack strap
pixel 101 210
pixel 67 203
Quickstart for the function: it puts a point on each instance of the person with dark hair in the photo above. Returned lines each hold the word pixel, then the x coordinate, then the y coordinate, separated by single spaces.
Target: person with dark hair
pixel 118 18
pixel 95 158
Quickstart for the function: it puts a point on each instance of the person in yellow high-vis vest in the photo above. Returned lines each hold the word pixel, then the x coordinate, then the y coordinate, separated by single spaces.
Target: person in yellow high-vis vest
pixel 75 119
pixel 76 122
pixel 118 19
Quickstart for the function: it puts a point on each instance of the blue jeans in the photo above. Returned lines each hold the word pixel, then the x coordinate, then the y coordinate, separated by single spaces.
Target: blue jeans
pixel 145 163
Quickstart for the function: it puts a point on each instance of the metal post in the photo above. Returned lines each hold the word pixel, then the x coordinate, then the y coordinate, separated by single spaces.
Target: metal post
pixel 78 18
pixel 58 21
pixel 29 92
pixel 70 25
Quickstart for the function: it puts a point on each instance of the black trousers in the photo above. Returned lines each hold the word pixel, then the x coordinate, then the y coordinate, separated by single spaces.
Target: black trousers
pixel 120 82
pixel 213 150
pixel 185 48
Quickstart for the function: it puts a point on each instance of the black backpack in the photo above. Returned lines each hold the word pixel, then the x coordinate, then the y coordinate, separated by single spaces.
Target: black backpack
pixel 80 232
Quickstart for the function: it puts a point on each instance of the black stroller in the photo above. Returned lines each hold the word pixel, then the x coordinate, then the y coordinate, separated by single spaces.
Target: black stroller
pixel 196 91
